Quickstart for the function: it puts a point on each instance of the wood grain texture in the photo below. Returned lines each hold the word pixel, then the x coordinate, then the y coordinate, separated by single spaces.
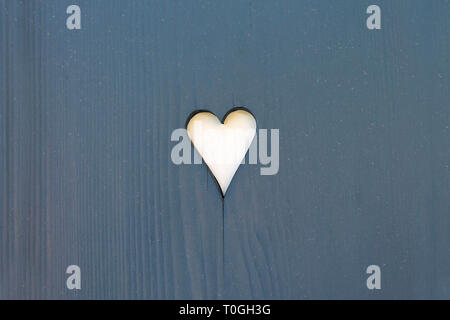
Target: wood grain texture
pixel 86 177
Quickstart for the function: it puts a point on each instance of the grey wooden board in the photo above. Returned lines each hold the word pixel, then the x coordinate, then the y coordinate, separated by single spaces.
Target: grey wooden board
pixel 86 176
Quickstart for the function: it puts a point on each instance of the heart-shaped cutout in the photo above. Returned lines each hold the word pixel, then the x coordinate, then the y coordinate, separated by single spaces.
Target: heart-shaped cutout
pixel 222 145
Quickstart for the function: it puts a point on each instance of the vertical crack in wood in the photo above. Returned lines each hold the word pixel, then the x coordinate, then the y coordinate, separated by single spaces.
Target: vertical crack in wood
pixel 221 256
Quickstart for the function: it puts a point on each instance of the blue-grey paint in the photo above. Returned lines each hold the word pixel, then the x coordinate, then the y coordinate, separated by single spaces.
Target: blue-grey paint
pixel 86 176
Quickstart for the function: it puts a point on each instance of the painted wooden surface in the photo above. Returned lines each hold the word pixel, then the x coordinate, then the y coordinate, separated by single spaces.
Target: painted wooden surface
pixel 86 176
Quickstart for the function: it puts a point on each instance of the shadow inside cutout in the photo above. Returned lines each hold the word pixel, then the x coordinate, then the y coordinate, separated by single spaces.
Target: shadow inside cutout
pixel 192 114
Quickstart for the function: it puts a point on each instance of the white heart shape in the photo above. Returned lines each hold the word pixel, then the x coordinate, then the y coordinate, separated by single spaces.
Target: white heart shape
pixel 222 145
